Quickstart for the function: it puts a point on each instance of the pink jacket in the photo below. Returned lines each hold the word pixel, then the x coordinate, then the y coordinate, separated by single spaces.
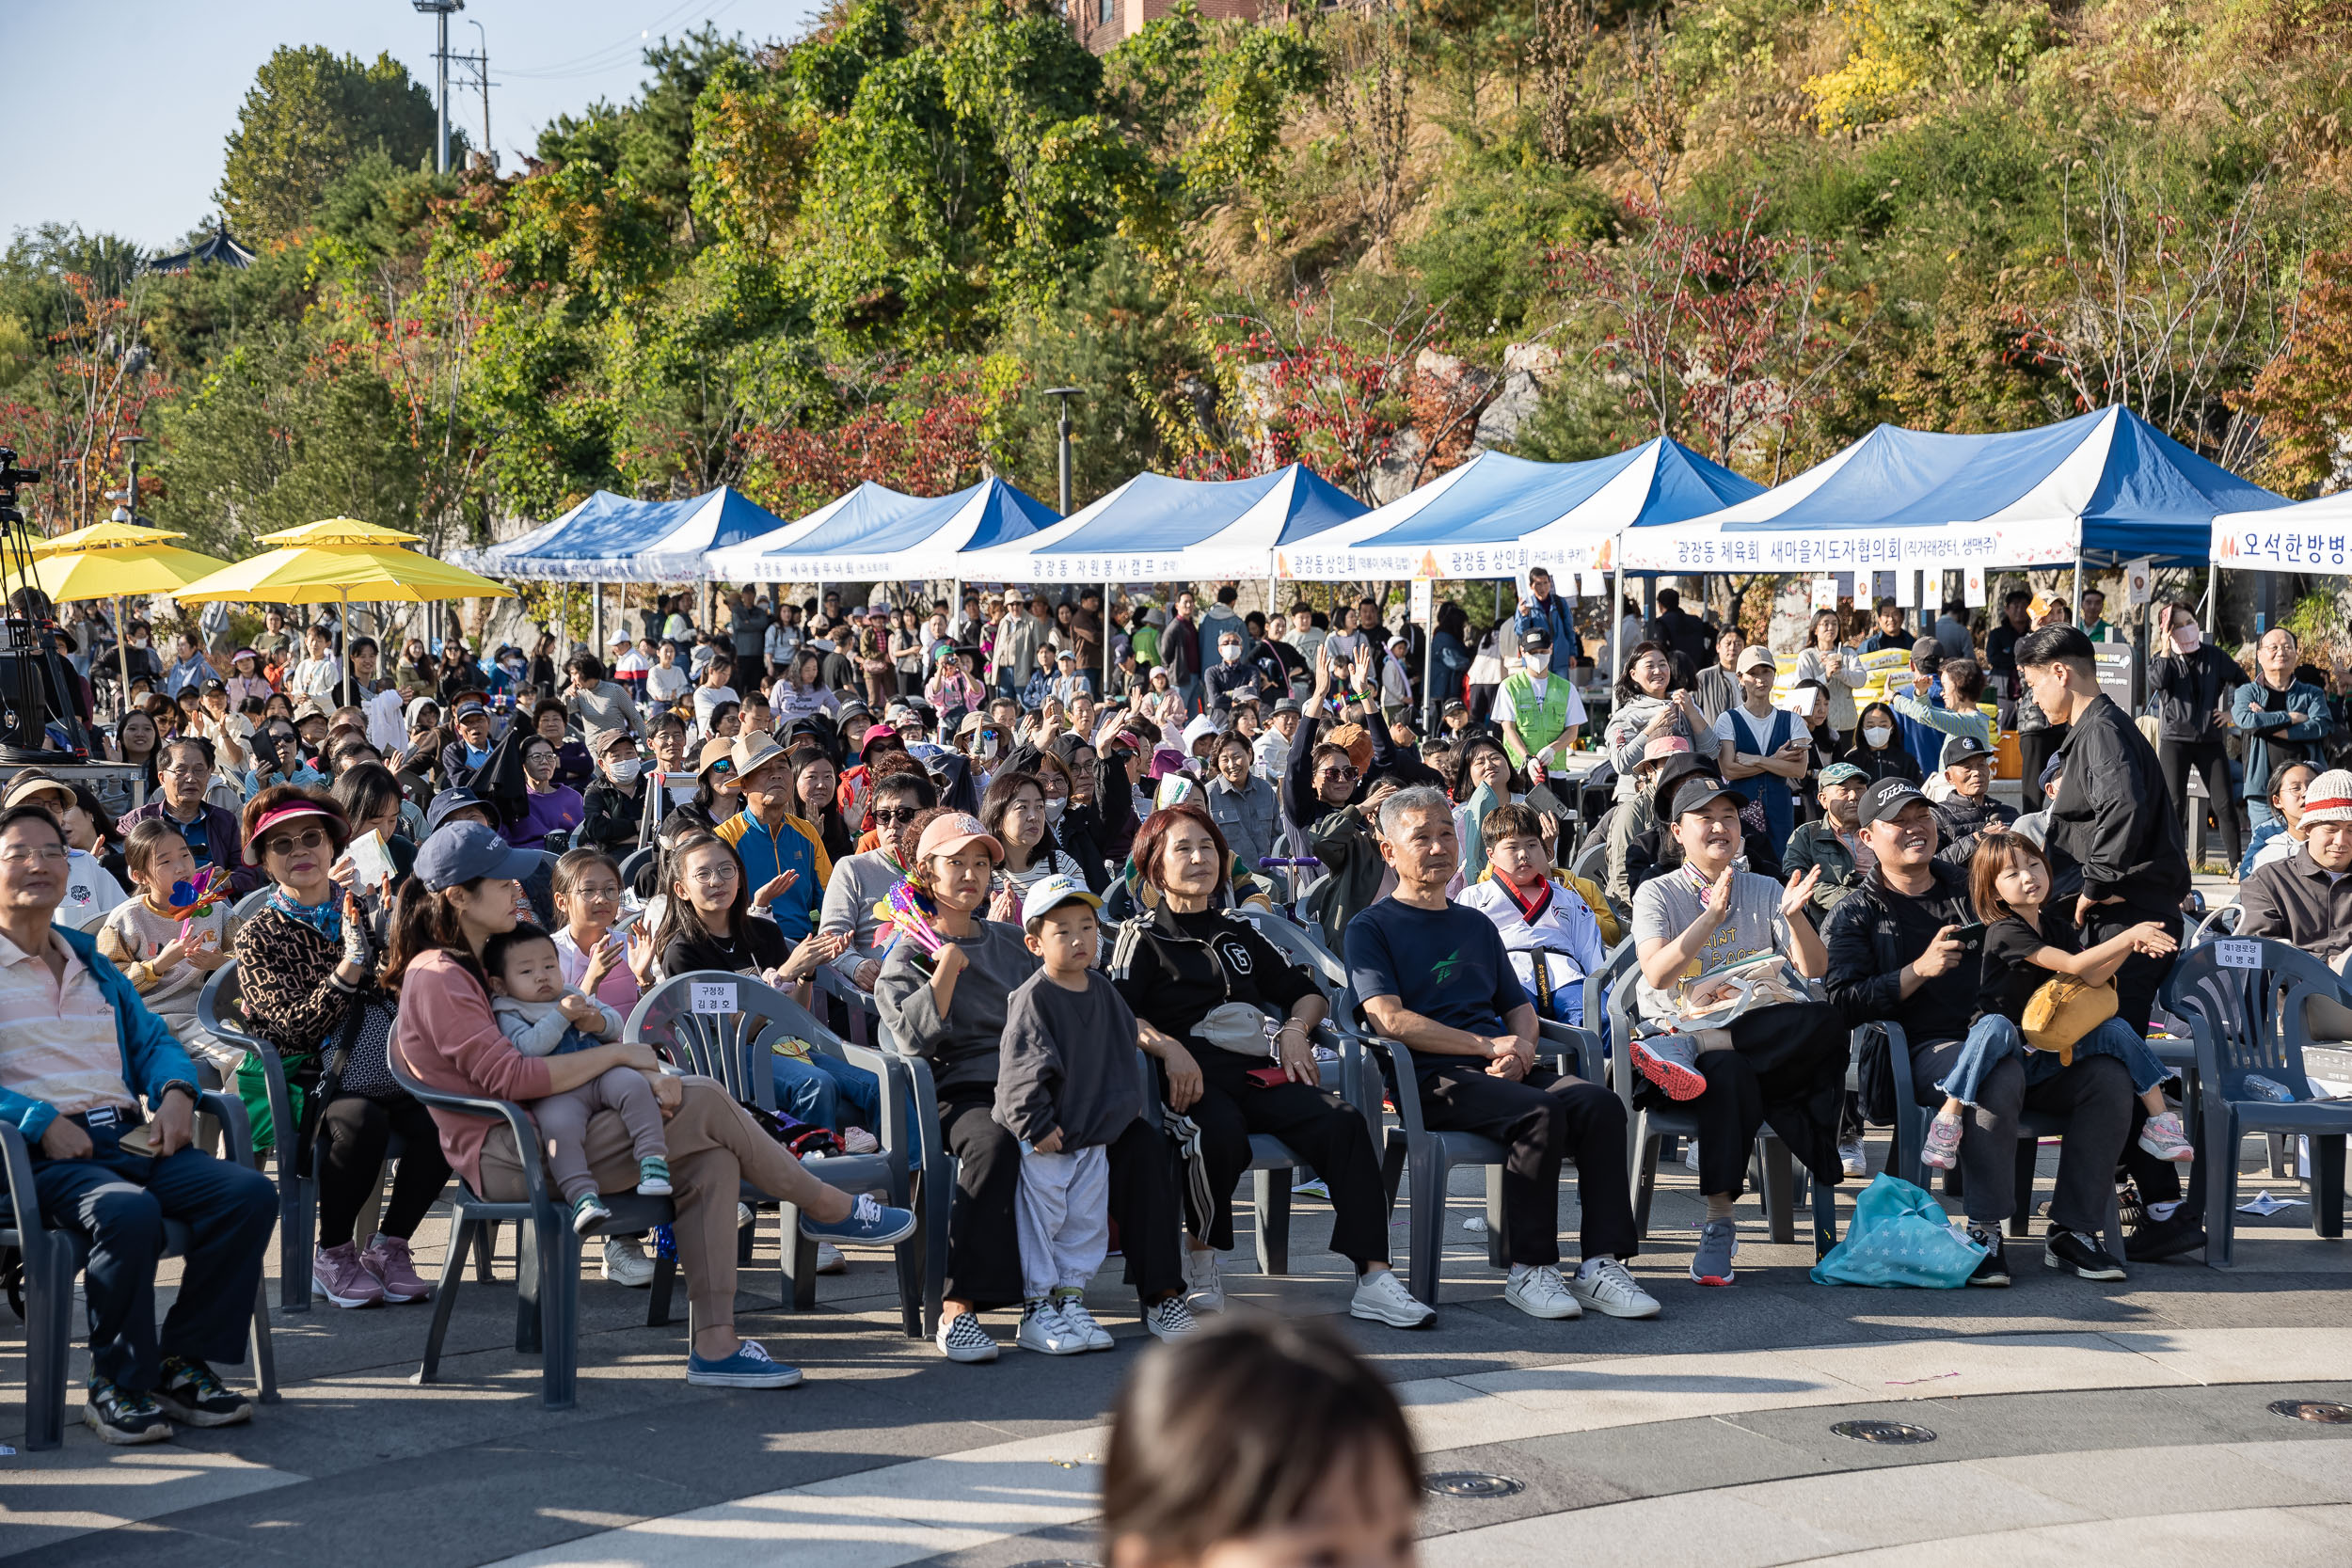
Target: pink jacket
pixel 447 1037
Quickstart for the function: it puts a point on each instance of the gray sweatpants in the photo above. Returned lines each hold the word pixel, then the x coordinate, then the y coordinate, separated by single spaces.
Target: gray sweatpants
pixel 563 1120
pixel 1062 1212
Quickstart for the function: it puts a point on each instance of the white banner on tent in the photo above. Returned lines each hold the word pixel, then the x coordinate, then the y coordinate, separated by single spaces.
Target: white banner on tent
pixel 2281 546
pixel 1446 563
pixel 1972 590
pixel 1825 593
pixel 1699 547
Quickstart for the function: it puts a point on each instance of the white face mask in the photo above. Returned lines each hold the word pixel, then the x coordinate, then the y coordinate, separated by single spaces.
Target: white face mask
pixel 1054 810
pixel 1536 664
pixel 624 773
pixel 1878 735
pixel 1231 653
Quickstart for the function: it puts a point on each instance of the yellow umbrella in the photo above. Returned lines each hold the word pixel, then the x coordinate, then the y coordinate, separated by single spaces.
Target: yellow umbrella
pixel 117 561
pixel 340 531
pixel 319 573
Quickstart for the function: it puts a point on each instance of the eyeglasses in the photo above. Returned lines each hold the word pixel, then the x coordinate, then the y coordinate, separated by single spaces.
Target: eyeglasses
pixel 286 844
pixel 892 817
pixel 44 854
pixel 1339 770
pixel 187 769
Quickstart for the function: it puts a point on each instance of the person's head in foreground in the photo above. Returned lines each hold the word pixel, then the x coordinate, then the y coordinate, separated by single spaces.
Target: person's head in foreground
pixel 1259 1443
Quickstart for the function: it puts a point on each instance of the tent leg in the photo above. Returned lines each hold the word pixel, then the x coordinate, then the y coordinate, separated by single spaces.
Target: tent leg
pixel 2079 588
pixel 1616 627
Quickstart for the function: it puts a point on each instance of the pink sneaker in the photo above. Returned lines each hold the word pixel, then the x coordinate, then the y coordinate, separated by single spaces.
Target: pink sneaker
pixel 2163 1137
pixel 387 1258
pixel 337 1273
pixel 1943 1150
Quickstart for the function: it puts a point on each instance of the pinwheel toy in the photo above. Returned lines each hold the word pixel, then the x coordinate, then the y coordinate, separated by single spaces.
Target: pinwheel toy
pixel 194 900
pixel 910 910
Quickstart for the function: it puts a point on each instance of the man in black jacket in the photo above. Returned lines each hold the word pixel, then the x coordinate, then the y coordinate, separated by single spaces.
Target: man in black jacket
pixel 2193 680
pixel 1893 957
pixel 2111 815
pixel 612 811
pixel 1969 811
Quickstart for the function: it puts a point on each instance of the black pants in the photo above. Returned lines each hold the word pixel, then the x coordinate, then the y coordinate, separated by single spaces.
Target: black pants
pixel 1787 1067
pixel 2209 759
pixel 1319 1127
pixel 2095 1095
pixel 353 1133
pixel 2035 748
pixel 1541 1119
pixel 984 1246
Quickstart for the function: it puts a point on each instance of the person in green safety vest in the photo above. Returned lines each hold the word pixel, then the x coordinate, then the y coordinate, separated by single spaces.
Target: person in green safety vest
pixel 1539 711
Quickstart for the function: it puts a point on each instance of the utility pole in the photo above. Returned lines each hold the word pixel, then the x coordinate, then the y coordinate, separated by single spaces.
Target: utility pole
pixel 480 64
pixel 1063 394
pixel 439 10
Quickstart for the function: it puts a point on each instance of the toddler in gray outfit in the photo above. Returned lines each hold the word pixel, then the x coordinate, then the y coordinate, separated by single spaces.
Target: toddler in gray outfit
pixel 544 1016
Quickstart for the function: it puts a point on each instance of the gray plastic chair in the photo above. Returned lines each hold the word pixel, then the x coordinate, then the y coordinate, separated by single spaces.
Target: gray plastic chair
pixel 52 1257
pixel 1911 1135
pixel 1429 1156
pixel 933 1168
pixel 547 1250
pixel 244 908
pixel 1648 1125
pixel 735 1047
pixel 220 1008
pixel 2250 1021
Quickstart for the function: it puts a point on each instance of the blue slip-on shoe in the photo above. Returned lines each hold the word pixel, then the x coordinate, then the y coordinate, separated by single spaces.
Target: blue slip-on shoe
pixel 870 1223
pixel 750 1367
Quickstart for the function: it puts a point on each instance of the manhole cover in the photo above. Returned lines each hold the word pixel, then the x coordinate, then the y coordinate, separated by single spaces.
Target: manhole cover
pixel 1883 1431
pixel 2327 1411
pixel 1471 1483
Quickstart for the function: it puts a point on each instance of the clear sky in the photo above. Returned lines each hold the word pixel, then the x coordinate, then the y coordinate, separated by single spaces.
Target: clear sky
pixel 116 112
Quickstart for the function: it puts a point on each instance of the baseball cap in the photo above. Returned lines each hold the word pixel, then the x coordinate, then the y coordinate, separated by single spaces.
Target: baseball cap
pixel 602 741
pixel 1884 800
pixel 1839 772
pixel 2050 771
pixel 1694 791
pixel 1665 746
pixel 465 710
pixel 946 834
pixel 447 802
pixel 1961 748
pixel 463 850
pixel 1927 654
pixel 1755 654
pixel 1052 892
pixel 1535 637
pixel 309 708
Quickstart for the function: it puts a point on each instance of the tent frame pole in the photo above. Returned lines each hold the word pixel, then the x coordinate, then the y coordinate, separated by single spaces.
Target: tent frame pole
pixel 2079 588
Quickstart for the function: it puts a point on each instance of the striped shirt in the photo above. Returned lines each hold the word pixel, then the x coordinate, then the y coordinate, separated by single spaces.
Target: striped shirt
pixel 58 1039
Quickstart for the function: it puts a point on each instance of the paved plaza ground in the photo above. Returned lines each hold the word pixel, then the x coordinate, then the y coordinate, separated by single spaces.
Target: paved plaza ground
pixel 2075 1423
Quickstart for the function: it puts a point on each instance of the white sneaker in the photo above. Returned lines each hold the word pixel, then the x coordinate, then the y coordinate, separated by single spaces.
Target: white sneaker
pixel 1608 1288
pixel 1381 1297
pixel 627 1263
pixel 742 1215
pixel 1691 1154
pixel 1204 1288
pixel 1170 1319
pixel 829 1259
pixel 1854 1157
pixel 1089 1333
pixel 1043 1331
pixel 1540 1293
pixel 961 1338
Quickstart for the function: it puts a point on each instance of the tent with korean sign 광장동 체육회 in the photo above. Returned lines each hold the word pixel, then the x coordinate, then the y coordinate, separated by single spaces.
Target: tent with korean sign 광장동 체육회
pixel 2104 485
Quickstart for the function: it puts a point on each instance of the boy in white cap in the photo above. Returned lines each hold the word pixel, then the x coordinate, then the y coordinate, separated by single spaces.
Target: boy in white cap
pixel 1068 1081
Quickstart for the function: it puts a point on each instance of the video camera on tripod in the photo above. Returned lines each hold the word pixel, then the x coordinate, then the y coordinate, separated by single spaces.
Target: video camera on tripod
pixel 42 716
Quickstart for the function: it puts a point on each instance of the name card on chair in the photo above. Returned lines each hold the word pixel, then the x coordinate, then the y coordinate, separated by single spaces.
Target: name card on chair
pixel 713 997
pixel 2232 954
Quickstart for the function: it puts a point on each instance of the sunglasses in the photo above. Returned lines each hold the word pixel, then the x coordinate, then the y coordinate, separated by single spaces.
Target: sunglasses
pixel 892 817
pixel 286 844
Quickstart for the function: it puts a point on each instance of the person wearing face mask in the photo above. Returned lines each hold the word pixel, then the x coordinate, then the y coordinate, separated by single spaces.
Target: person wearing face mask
pixel 1539 711
pixel 2193 681
pixel 1877 750
pixel 614 809
pixel 1230 674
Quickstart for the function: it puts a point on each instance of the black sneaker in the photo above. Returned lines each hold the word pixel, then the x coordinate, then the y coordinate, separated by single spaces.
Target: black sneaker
pixel 2066 1250
pixel 191 1395
pixel 122 1418
pixel 1993 1268
pixel 2151 1239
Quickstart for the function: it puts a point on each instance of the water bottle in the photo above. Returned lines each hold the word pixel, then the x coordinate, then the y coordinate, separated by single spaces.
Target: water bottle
pixel 664 1243
pixel 2265 1088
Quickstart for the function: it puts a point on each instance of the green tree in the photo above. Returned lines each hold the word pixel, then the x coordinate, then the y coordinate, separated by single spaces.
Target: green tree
pixel 310 115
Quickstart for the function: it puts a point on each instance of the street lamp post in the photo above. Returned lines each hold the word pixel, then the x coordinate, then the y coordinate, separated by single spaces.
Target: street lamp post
pixel 439 10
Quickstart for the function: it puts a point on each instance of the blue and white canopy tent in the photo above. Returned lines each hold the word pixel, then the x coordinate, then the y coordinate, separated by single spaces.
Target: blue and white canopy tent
pixel 877 533
pixel 1155 527
pixel 610 538
pixel 2106 485
pixel 1496 515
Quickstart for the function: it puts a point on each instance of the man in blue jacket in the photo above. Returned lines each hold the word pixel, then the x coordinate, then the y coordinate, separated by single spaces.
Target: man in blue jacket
pixel 2283 719
pixel 80 1056
pixel 1543 608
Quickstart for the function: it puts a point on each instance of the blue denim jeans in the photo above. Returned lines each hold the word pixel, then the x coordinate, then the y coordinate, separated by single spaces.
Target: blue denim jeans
pixel 828 1091
pixel 1993 1037
pixel 2258 811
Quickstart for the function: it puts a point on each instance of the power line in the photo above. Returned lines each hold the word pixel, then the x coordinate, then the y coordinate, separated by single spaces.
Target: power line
pixel 597 62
